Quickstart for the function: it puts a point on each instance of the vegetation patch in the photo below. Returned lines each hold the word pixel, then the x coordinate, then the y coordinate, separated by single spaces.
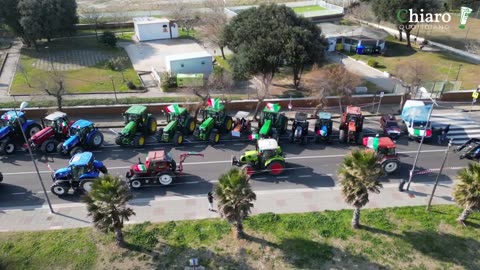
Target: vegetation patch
pixel 305 9
pixel 392 238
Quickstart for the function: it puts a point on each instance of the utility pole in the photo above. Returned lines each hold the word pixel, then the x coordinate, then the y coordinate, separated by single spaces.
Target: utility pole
pixel 114 90
pixel 438 175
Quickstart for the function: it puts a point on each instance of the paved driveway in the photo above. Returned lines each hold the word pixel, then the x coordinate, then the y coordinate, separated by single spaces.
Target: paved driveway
pixel 145 55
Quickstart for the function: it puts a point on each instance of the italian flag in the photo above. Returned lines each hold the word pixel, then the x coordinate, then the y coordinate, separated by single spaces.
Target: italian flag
pixel 141 168
pixel 253 137
pixel 417 132
pixel 273 106
pixel 371 142
pixel 214 103
pixel 173 108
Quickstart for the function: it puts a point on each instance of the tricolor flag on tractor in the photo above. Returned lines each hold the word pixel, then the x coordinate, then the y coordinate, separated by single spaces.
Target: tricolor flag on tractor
pixel 253 137
pixel 214 103
pixel 173 108
pixel 274 107
pixel 371 142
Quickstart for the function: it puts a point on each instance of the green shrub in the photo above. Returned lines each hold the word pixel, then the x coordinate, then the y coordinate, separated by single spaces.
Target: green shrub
pixel 117 63
pixel 372 63
pixel 167 81
pixel 108 38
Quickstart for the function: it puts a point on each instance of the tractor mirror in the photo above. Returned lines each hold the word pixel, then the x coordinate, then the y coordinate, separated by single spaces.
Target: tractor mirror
pixel 23 105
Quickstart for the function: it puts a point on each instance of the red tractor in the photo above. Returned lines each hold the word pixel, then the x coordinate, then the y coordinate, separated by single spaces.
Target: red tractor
pixel 384 149
pixel 159 169
pixel 55 130
pixel 351 126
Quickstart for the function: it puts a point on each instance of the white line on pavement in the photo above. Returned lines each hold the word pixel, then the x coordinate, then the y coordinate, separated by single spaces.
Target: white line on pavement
pixel 18 193
pixel 238 144
pixel 282 177
pixel 113 131
pixel 303 176
pixel 117 150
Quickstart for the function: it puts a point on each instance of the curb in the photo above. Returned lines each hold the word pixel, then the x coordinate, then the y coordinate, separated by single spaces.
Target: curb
pixel 3 62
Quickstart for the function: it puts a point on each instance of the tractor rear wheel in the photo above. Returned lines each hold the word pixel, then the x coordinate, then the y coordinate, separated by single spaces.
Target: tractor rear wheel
pixel 7 147
pixel 165 178
pixel 178 138
pixel 151 125
pixel 214 137
pixel 228 124
pixel 139 141
pixel 247 169
pixel 59 190
pixel 76 150
pixel 390 166
pixel 86 185
pixel 32 129
pixel 135 182
pixel 275 167
pixel 49 146
pixel 96 140
pixel 341 136
pixel 190 125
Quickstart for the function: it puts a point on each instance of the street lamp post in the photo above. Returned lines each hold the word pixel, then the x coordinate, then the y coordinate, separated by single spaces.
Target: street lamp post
pixel 114 90
pixel 422 89
pixel 50 60
pixel 22 107
pixel 438 175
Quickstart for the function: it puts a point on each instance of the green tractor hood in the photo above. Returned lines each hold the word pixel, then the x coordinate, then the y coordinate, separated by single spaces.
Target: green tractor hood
pixel 171 125
pixel 265 130
pixel 206 123
pixel 249 156
pixel 129 128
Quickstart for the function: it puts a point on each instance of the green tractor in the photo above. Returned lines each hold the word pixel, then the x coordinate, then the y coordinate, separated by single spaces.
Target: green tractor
pixel 139 123
pixel 215 122
pixel 268 156
pixel 272 123
pixel 180 123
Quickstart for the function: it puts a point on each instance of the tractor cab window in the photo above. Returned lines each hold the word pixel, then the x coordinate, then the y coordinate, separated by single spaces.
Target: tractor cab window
pixel 419 124
pixel 22 119
pixel 390 124
pixel 78 171
pixel 132 117
pixel 352 118
pixel 268 154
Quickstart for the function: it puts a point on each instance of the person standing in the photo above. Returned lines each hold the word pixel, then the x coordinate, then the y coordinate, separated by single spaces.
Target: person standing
pixel 210 201
pixel 445 132
pixel 439 135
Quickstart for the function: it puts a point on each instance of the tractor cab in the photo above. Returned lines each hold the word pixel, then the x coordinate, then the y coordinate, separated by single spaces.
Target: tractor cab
pixel 58 121
pixel 82 166
pixel 384 149
pixel 270 112
pixel 299 132
pixel 268 148
pixel 10 119
pixel 81 128
pixel 157 161
pixel 178 115
pixel 323 127
pixel 136 114
pixel 216 111
pixel 351 125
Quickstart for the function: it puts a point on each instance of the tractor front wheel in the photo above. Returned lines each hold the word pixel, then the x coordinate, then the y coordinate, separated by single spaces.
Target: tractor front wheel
pixel 178 138
pixel 32 129
pixel 214 137
pixel 60 149
pixel 135 183
pixel 228 124
pixel 86 185
pixel 59 190
pixel 390 166
pixel 151 125
pixel 48 146
pixel 7 147
pixel 247 169
pixel 139 141
pixel 275 167
pixel 190 125
pixel 96 140
pixel 165 178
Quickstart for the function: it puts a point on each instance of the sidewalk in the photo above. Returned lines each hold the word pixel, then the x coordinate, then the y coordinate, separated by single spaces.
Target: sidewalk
pixel 161 209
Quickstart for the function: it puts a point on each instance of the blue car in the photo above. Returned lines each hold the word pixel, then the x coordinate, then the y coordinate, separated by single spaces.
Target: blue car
pixel 83 169
pixel 11 125
pixel 82 135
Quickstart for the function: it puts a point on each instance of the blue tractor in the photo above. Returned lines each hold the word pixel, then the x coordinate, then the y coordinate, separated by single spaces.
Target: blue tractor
pixel 82 170
pixel 82 135
pixel 11 125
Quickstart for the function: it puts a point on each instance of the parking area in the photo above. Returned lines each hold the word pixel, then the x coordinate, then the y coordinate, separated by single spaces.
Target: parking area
pixel 145 55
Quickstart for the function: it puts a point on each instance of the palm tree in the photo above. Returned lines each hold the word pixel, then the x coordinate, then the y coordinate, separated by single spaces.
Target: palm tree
pixel 107 204
pixel 359 175
pixel 235 197
pixel 467 190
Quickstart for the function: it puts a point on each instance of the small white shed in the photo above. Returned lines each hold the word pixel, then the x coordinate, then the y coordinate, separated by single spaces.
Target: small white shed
pixel 190 63
pixel 149 28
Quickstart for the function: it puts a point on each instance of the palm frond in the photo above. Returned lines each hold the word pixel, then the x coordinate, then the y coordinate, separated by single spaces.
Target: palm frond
pixel 466 191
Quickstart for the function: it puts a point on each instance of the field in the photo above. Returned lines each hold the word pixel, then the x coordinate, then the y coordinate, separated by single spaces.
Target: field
pixel 307 9
pixel 393 238
pixel 443 65
pixel 81 61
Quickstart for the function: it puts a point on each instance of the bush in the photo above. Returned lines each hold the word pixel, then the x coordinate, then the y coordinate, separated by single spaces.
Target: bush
pixel 117 63
pixel 108 38
pixel 372 63
pixel 131 85
pixel 167 81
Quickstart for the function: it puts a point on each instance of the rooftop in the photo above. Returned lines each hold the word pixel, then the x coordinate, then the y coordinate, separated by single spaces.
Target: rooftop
pixel 356 32
pixel 148 20
pixel 56 115
pixel 184 56
pixel 267 144
pixel 136 109
pixel 156 155
pixel 81 159
pixel 81 124
pixel 12 115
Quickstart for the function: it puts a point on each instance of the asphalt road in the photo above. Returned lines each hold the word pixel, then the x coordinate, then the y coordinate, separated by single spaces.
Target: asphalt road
pixel 308 166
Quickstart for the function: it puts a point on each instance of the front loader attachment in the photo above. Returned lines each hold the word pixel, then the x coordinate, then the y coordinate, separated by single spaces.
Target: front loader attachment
pixel 184 156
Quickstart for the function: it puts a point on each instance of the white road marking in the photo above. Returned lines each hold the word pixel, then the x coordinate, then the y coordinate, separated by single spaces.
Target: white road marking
pixel 198 146
pixel 220 144
pixel 238 144
pixel 259 178
pixel 329 174
pixel 113 131
pixel 117 150
pixel 282 177
pixel 303 176
pixel 18 193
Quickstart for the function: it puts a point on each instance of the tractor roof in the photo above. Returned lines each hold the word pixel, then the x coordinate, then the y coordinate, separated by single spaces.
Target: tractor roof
pixel 324 115
pixel 12 115
pixel 267 144
pixel 242 114
pixel 56 115
pixel 385 142
pixel 156 155
pixel 81 159
pixel 354 110
pixel 136 109
pixel 272 107
pixel 81 124
pixel 300 116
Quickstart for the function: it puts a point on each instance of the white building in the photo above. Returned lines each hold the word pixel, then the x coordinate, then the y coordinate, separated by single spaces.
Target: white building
pixel 190 63
pixel 149 28
pixel 354 39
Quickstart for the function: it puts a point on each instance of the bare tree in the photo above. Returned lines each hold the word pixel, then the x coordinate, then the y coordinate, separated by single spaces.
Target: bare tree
pixel 183 13
pixel 262 85
pixel 220 80
pixel 203 93
pixel 332 80
pixel 412 74
pixel 92 16
pixel 56 89
pixel 361 11
pixel 213 23
pixel 24 72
